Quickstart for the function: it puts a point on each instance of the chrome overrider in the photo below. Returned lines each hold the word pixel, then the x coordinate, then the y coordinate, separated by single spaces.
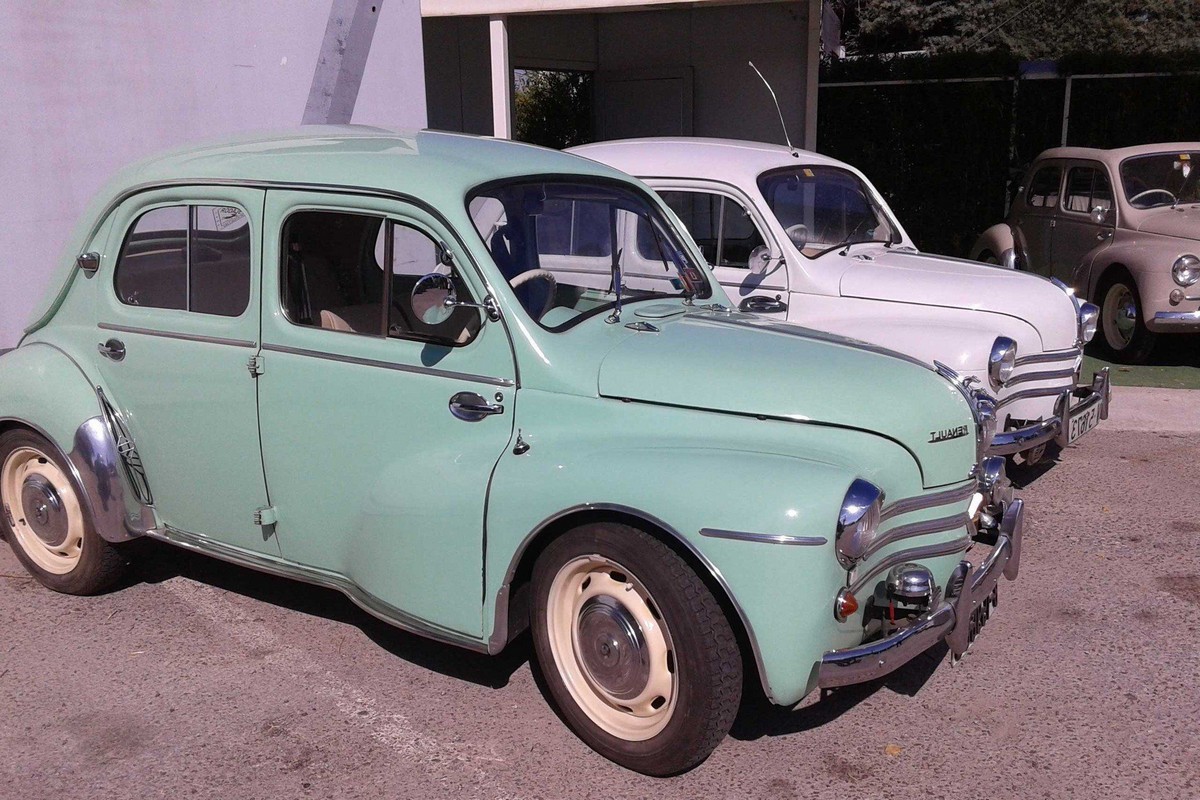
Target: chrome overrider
pixel 955 613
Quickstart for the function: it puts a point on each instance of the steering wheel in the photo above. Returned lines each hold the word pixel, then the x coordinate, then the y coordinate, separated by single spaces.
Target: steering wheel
pixel 798 234
pixel 1140 195
pixel 537 275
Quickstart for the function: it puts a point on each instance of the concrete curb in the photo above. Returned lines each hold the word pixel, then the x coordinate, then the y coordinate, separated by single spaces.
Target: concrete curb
pixel 1138 408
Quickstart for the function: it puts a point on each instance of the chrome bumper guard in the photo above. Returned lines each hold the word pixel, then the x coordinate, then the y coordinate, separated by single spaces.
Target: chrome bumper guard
pixel 954 619
pixel 1055 429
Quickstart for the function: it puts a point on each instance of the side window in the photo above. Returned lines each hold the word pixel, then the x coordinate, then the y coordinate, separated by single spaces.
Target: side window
pixel 1043 189
pixel 334 277
pixel 721 226
pixel 1087 187
pixel 188 258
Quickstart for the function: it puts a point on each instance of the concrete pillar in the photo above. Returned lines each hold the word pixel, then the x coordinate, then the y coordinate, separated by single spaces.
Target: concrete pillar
pixel 339 71
pixel 502 79
pixel 812 74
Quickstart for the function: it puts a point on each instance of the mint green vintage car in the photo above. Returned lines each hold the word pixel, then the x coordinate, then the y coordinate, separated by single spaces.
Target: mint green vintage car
pixel 478 387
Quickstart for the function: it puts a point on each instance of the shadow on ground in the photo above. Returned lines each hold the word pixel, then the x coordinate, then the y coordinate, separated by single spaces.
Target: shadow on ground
pixel 155 562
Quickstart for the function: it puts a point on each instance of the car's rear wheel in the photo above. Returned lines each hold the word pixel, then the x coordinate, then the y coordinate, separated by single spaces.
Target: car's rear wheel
pixel 634 648
pixel 1122 321
pixel 46 522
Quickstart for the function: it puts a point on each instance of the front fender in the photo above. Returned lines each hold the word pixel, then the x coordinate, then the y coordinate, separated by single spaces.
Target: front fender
pixel 44 389
pixel 670 468
pixel 997 240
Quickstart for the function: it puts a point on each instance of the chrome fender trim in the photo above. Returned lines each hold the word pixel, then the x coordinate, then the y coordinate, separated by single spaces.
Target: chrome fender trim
pixel 99 469
pixel 499 637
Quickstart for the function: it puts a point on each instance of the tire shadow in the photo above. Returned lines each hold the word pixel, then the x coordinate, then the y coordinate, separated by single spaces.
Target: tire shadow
pixel 155 562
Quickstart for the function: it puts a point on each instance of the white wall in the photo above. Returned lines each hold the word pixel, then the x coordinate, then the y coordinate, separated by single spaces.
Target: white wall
pixel 89 87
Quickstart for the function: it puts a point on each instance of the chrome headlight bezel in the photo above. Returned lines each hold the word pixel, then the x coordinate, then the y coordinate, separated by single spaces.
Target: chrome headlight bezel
pixel 1186 270
pixel 1001 361
pixel 1089 318
pixel 858 521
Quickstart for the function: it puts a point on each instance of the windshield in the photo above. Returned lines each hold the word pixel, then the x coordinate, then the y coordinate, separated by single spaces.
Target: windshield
pixel 822 207
pixel 1161 179
pixel 574 249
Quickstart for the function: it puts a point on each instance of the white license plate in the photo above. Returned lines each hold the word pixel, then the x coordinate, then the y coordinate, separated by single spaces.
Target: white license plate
pixel 1080 424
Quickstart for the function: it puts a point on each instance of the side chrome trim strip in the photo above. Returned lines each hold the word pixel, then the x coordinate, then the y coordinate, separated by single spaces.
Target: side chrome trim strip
pixel 499 636
pixel 915 554
pixel 370 362
pixel 764 538
pixel 914 529
pixel 944 498
pixel 1049 375
pixel 187 337
pixel 1047 358
pixel 284 569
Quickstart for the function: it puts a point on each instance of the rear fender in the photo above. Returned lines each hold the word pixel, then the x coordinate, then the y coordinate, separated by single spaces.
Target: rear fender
pixel 45 390
pixel 997 240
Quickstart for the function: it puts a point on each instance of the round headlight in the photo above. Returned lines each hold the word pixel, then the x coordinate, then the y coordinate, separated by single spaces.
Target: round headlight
pixel 857 521
pixel 1186 270
pixel 1001 361
pixel 1089 314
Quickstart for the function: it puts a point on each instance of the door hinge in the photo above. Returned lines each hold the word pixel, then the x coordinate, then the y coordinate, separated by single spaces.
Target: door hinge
pixel 266 516
pixel 256 366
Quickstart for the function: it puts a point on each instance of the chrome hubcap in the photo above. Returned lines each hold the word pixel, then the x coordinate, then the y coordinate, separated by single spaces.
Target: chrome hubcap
pixel 46 516
pixel 1120 316
pixel 612 649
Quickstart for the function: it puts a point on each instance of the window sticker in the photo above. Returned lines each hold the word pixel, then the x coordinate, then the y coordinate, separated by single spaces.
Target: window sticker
pixel 227 216
pixel 808 173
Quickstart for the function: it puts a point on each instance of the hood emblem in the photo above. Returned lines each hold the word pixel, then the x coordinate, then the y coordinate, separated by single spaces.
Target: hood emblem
pixel 946 434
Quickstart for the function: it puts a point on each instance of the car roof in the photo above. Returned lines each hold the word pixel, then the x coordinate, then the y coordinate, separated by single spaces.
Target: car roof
pixel 1116 155
pixel 688 157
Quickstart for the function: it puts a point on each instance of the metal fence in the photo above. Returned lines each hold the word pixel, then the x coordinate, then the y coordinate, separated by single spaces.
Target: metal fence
pixel 947 153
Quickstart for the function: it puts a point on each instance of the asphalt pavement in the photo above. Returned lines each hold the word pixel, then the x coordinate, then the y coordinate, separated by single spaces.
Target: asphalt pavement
pixel 198 679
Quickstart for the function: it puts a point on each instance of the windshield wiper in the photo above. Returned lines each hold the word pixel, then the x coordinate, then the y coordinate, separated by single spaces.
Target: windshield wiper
pixel 847 245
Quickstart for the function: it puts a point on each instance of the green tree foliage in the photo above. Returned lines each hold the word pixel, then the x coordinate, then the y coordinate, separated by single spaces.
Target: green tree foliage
pixel 1025 29
pixel 553 109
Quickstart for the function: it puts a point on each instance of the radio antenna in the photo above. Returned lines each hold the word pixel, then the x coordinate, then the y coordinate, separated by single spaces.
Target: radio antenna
pixel 778 110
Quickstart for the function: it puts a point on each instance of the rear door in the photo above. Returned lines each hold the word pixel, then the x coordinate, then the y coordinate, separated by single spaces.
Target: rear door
pixel 178 326
pixel 1038 218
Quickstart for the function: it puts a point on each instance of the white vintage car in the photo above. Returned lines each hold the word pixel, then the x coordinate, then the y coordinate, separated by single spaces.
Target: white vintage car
pixel 808 238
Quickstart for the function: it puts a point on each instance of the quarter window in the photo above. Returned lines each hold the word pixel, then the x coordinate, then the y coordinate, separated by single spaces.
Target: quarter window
pixel 1043 189
pixel 334 278
pixel 188 258
pixel 721 226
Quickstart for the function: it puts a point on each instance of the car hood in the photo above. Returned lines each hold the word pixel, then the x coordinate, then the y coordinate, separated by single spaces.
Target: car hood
pixel 910 277
pixel 745 364
pixel 1183 222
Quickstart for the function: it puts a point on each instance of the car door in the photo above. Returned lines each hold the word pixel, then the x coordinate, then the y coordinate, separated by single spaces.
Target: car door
pixel 730 237
pixel 1038 218
pixel 380 431
pixel 1077 233
pixel 178 325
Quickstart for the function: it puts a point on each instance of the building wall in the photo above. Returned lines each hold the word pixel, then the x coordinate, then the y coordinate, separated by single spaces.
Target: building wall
pixel 91 87
pixel 706 47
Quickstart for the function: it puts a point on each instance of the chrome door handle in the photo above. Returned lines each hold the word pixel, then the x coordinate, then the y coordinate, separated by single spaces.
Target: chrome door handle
pixel 113 350
pixel 1104 234
pixel 471 407
pixel 760 304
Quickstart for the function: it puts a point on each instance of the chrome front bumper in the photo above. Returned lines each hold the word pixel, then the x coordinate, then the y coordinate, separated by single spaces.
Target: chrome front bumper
pixel 1083 398
pixel 952 619
pixel 1177 320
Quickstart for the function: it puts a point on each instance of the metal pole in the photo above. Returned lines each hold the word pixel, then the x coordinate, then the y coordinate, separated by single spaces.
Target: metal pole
pixel 1066 111
pixel 502 79
pixel 812 74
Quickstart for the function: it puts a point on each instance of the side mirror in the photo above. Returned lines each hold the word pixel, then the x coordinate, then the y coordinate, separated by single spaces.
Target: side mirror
pixel 433 298
pixel 760 259
pixel 1099 215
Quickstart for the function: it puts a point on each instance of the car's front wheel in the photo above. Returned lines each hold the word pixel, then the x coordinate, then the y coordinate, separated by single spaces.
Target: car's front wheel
pixel 46 522
pixel 634 648
pixel 1123 322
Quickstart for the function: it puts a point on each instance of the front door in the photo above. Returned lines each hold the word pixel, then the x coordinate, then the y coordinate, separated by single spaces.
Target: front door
pixel 179 322
pixel 752 271
pixel 1077 232
pixel 380 430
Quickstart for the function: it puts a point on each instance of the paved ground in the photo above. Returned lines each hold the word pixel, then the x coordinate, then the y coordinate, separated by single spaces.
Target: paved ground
pixel 201 680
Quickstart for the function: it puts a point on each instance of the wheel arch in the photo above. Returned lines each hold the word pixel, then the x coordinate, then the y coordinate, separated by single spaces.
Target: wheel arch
pixel 996 239
pixel 512 600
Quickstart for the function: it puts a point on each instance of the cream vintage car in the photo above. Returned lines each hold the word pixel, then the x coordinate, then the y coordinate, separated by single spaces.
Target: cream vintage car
pixel 799 236
pixel 1134 251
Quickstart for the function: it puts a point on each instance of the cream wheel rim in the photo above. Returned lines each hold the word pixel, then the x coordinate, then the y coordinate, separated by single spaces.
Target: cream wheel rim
pixel 612 648
pixel 1120 316
pixel 42 510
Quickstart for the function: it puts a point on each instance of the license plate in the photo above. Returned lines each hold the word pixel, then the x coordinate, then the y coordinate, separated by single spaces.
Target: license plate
pixel 979 617
pixel 1080 424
